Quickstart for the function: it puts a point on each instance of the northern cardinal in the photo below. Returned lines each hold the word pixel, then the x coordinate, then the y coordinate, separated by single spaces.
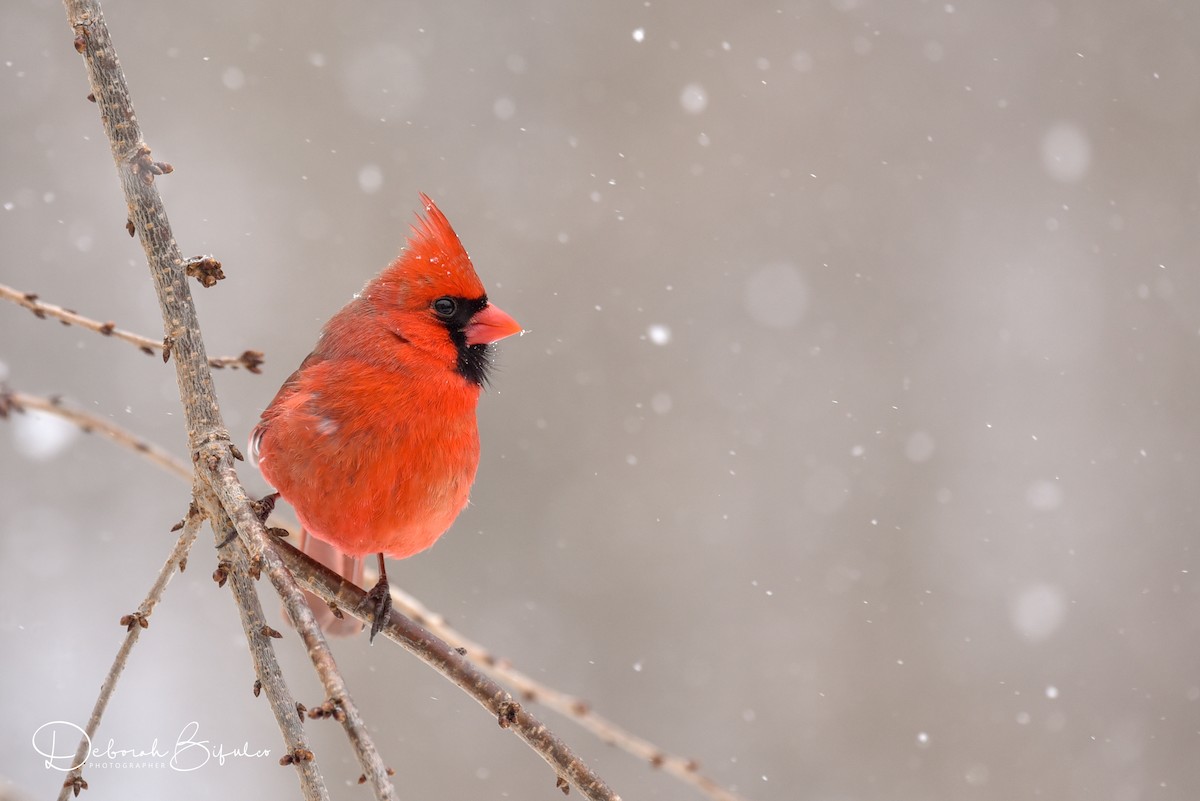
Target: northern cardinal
pixel 373 440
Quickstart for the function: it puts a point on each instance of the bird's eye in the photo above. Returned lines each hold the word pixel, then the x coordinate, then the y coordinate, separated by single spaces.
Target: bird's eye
pixel 445 307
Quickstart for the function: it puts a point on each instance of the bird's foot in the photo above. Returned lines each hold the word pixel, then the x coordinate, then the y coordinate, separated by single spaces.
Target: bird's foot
pixel 379 601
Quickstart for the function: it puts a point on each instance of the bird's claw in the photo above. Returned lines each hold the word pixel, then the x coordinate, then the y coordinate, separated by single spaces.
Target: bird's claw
pixel 379 602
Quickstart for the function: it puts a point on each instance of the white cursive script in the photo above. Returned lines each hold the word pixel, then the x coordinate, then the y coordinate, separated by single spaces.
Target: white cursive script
pixel 189 752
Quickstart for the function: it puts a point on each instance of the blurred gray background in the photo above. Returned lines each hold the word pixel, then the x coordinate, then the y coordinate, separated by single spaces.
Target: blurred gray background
pixel 852 449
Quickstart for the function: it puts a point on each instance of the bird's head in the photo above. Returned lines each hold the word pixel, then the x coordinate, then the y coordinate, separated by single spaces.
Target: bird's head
pixel 431 298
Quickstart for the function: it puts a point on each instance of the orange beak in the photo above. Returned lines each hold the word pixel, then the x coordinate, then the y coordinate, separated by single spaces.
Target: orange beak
pixel 489 325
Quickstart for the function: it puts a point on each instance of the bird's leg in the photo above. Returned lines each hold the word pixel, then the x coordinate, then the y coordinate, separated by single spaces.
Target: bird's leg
pixel 379 601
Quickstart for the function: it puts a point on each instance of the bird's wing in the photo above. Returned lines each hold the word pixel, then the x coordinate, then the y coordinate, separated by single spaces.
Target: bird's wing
pixel 276 403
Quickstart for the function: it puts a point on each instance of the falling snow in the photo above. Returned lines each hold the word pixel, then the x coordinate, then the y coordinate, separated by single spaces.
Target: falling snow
pixel 952 219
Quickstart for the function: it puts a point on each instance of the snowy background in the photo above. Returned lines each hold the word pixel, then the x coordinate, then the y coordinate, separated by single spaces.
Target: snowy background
pixel 853 449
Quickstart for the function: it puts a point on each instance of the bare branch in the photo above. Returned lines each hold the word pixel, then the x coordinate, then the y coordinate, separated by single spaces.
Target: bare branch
pixel 250 360
pixel 90 423
pixel 178 557
pixel 442 657
pixel 262 652
pixel 684 769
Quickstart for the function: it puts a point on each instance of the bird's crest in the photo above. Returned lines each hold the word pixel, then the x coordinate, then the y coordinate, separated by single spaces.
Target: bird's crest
pixel 434 257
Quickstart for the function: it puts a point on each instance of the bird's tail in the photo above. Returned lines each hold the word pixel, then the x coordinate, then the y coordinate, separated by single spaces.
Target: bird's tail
pixel 348 567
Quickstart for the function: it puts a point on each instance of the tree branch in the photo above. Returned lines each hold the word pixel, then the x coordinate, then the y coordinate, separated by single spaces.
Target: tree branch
pixel 89 423
pixel 684 769
pixel 262 652
pixel 251 360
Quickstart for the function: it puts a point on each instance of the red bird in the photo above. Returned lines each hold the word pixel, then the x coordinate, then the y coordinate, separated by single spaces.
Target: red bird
pixel 373 440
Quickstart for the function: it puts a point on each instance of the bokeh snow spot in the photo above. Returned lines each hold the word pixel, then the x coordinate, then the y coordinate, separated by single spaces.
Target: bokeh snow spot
pixel 504 108
pixel 693 98
pixel 777 296
pixel 1037 611
pixel 1066 153
pixel 1044 496
pixel 233 78
pixel 370 178
pixel 41 436
pixel 919 447
pixel 659 334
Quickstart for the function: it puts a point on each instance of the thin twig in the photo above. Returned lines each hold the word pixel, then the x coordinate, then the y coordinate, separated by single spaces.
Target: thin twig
pixel 439 655
pixel 134 626
pixel 269 676
pixel 90 423
pixel 250 360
